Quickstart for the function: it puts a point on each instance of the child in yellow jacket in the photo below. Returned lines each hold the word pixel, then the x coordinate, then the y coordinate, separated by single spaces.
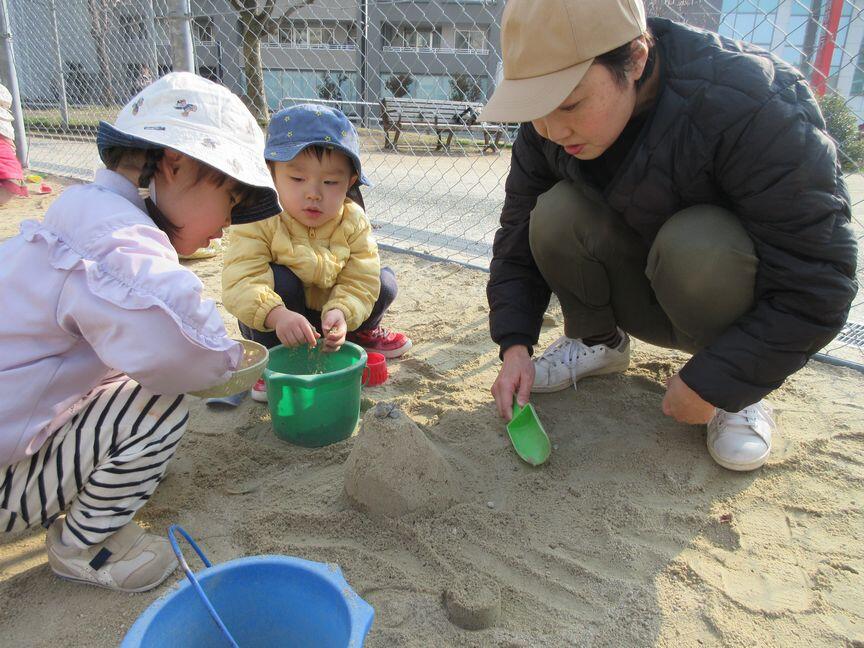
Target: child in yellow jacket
pixel 314 269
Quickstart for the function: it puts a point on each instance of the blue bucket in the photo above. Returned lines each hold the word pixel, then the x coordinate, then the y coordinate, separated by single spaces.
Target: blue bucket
pixel 258 602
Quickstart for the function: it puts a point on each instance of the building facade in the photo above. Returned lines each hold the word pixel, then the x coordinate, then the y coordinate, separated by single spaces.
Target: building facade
pixel 793 30
pixel 442 49
pixel 356 52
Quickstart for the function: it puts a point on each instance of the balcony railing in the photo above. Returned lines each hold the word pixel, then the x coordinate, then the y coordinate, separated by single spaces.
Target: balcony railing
pixel 436 50
pixel 344 47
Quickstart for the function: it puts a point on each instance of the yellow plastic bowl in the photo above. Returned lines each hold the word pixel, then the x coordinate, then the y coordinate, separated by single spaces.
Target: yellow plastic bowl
pixel 251 368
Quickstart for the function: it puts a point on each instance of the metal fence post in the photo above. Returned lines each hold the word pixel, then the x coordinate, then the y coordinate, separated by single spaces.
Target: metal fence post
pixel 153 39
pixel 58 62
pixel 364 61
pixel 21 150
pixel 182 52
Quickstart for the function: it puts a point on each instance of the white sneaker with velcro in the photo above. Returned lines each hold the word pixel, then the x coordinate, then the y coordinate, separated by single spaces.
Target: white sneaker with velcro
pixel 742 440
pixel 568 360
pixel 128 561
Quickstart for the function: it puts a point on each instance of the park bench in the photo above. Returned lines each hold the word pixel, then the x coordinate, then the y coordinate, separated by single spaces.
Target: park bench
pixel 400 114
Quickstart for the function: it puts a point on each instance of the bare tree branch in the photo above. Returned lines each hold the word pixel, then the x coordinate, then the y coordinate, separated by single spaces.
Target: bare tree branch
pixel 269 26
pixel 266 24
pixel 294 8
pixel 254 24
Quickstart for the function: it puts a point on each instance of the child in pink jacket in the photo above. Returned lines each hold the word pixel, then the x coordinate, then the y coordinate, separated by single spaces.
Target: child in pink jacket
pixel 104 331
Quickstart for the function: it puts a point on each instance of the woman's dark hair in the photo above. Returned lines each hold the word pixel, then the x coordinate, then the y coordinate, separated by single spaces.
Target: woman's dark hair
pixel 116 157
pixel 620 60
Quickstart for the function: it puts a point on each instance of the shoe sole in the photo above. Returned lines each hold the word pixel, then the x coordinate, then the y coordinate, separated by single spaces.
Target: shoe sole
pixel 258 397
pixel 561 386
pixel 84 581
pixel 394 353
pixel 740 467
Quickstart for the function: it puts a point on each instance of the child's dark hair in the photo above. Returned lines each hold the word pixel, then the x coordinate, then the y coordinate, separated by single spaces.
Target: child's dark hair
pixel 117 157
pixel 621 60
pixel 320 151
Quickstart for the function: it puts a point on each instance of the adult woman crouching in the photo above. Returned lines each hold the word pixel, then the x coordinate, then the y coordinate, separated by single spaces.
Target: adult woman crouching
pixel 672 185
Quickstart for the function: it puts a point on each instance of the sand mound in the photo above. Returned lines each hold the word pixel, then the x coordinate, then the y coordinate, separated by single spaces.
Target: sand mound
pixel 473 602
pixel 394 469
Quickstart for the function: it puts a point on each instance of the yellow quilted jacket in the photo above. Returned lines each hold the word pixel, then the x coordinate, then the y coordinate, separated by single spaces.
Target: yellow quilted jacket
pixel 338 264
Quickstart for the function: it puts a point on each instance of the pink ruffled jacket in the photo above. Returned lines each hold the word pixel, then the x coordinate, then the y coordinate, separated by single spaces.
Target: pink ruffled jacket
pixel 93 290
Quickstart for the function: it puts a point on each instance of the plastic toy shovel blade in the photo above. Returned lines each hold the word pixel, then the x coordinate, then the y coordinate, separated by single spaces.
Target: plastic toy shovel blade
pixel 528 436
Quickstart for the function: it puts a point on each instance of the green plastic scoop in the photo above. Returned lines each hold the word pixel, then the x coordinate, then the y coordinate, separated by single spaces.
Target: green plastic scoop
pixel 528 436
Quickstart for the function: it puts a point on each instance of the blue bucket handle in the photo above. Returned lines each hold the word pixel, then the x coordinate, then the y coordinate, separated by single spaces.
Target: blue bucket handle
pixel 172 531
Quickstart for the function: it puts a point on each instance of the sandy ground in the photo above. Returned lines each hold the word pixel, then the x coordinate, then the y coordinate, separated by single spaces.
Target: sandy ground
pixel 629 536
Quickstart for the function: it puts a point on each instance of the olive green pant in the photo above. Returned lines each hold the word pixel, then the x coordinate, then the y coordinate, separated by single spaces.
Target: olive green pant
pixel 679 292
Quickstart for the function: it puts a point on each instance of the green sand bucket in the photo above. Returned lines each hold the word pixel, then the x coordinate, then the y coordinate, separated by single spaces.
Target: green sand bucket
pixel 314 397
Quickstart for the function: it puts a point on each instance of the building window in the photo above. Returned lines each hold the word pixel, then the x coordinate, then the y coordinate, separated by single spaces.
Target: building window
pixel 471 39
pixel 467 87
pixel 282 36
pixel 858 79
pixel 422 38
pixel 841 57
pixel 203 30
pixel 410 37
pixel 442 87
pixel 388 35
pixel 751 21
pixel 133 28
pixel 304 35
pixel 397 84
pixel 795 43
pixel 338 87
pixel 321 35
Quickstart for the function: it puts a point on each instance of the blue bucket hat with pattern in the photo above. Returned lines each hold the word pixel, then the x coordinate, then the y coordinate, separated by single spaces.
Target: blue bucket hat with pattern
pixel 297 128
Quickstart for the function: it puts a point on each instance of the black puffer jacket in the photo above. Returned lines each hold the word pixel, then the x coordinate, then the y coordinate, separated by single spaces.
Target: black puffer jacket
pixel 732 126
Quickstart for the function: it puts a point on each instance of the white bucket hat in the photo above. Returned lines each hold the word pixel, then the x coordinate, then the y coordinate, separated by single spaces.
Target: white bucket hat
pixel 203 120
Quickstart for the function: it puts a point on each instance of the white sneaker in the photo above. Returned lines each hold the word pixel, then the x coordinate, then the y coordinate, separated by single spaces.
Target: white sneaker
pixel 128 561
pixel 568 360
pixel 741 440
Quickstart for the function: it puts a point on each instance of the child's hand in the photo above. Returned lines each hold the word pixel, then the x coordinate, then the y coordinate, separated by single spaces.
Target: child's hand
pixel 291 328
pixel 335 328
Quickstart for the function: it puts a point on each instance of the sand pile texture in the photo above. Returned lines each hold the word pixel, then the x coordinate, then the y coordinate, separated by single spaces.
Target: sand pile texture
pixel 394 469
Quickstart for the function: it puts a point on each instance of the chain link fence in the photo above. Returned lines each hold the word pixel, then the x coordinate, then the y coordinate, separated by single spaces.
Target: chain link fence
pixel 438 174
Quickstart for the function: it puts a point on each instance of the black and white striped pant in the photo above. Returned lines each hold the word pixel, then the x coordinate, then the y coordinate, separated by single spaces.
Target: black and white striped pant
pixel 100 467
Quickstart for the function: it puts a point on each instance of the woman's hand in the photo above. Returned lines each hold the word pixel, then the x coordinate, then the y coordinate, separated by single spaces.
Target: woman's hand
pixel 516 377
pixel 291 328
pixel 685 405
pixel 335 329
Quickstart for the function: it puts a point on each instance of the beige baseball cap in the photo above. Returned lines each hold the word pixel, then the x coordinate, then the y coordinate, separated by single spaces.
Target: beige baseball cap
pixel 548 46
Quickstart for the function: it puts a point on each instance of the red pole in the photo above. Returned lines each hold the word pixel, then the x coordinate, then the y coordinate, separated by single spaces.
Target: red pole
pixel 822 68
